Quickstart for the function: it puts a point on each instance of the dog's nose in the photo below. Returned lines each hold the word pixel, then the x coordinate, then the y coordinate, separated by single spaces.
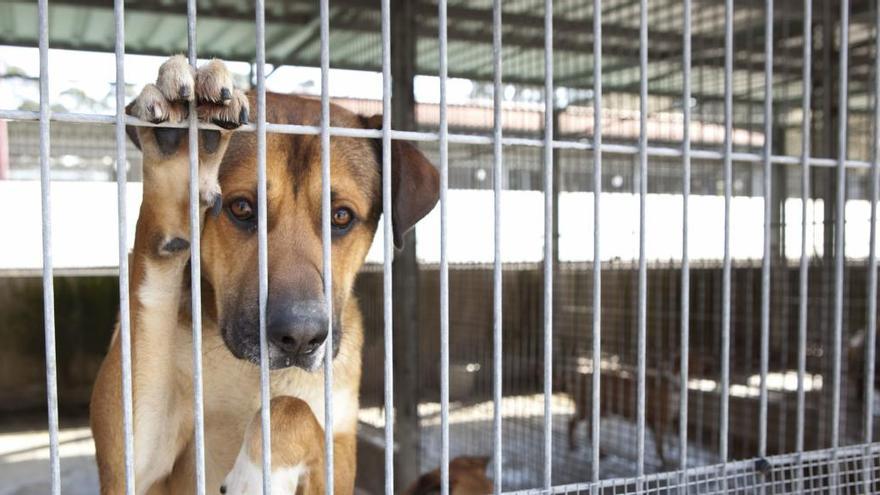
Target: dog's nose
pixel 298 329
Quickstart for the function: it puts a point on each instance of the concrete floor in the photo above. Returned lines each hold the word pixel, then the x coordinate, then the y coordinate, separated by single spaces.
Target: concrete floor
pixel 24 461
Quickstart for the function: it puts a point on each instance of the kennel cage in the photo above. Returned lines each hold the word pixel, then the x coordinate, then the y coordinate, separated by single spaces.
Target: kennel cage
pixel 654 106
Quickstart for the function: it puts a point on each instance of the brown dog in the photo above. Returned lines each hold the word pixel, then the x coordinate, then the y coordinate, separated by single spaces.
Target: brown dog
pixel 467 476
pixel 296 321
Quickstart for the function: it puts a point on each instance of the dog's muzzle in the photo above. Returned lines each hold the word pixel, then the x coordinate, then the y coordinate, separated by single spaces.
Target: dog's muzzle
pixel 297 334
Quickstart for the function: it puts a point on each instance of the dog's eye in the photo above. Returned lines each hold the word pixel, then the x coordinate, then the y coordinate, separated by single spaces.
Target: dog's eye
pixel 241 209
pixel 342 218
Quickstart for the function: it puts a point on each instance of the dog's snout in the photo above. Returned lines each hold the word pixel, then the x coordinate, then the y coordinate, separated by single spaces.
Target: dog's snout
pixel 298 329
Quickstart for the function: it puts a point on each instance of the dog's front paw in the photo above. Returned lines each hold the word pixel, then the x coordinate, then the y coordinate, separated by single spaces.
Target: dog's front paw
pixel 179 87
pixel 178 84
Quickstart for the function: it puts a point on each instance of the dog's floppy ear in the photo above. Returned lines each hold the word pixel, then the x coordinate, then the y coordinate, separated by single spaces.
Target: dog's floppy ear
pixel 132 130
pixel 415 182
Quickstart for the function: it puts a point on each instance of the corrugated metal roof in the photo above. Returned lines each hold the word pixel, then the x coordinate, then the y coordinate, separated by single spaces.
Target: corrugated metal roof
pixel 226 30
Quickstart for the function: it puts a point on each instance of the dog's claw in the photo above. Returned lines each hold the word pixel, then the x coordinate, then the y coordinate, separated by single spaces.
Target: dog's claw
pixel 243 116
pixel 225 124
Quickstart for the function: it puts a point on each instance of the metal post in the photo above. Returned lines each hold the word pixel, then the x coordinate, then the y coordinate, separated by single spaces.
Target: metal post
pixel 405 269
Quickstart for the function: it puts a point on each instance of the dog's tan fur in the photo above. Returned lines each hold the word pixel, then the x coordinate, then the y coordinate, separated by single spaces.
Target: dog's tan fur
pixel 467 476
pixel 159 280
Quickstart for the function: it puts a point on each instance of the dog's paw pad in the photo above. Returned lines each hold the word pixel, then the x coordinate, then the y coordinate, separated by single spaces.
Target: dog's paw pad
pixel 173 246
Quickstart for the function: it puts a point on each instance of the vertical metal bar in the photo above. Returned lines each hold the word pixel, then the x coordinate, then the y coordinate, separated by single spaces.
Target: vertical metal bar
pixel 122 213
pixel 195 262
pixel 326 244
pixel 48 279
pixel 728 180
pixel 444 260
pixel 549 107
pixel 497 185
pixel 597 260
pixel 685 261
pixel 768 193
pixel 387 248
pixel 839 254
pixel 806 111
pixel 643 268
pixel 871 330
pixel 262 245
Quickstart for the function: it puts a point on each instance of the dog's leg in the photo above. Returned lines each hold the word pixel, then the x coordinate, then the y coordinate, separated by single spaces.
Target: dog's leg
pixel 297 453
pixel 159 282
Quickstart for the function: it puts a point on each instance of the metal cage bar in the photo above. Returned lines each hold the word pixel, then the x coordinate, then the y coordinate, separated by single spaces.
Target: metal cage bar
pixel 549 109
pixel 387 249
pixel 195 261
pixel 263 247
pixel 768 197
pixel 326 245
pixel 444 254
pixel 803 267
pixel 122 214
pixel 48 279
pixel 871 328
pixel 452 138
pixel 839 222
pixel 595 413
pixel 497 187
pixel 643 267
pixel 685 260
pixel 724 418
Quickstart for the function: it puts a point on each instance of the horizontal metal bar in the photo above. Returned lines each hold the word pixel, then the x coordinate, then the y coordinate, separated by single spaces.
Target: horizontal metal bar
pixel 622 149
